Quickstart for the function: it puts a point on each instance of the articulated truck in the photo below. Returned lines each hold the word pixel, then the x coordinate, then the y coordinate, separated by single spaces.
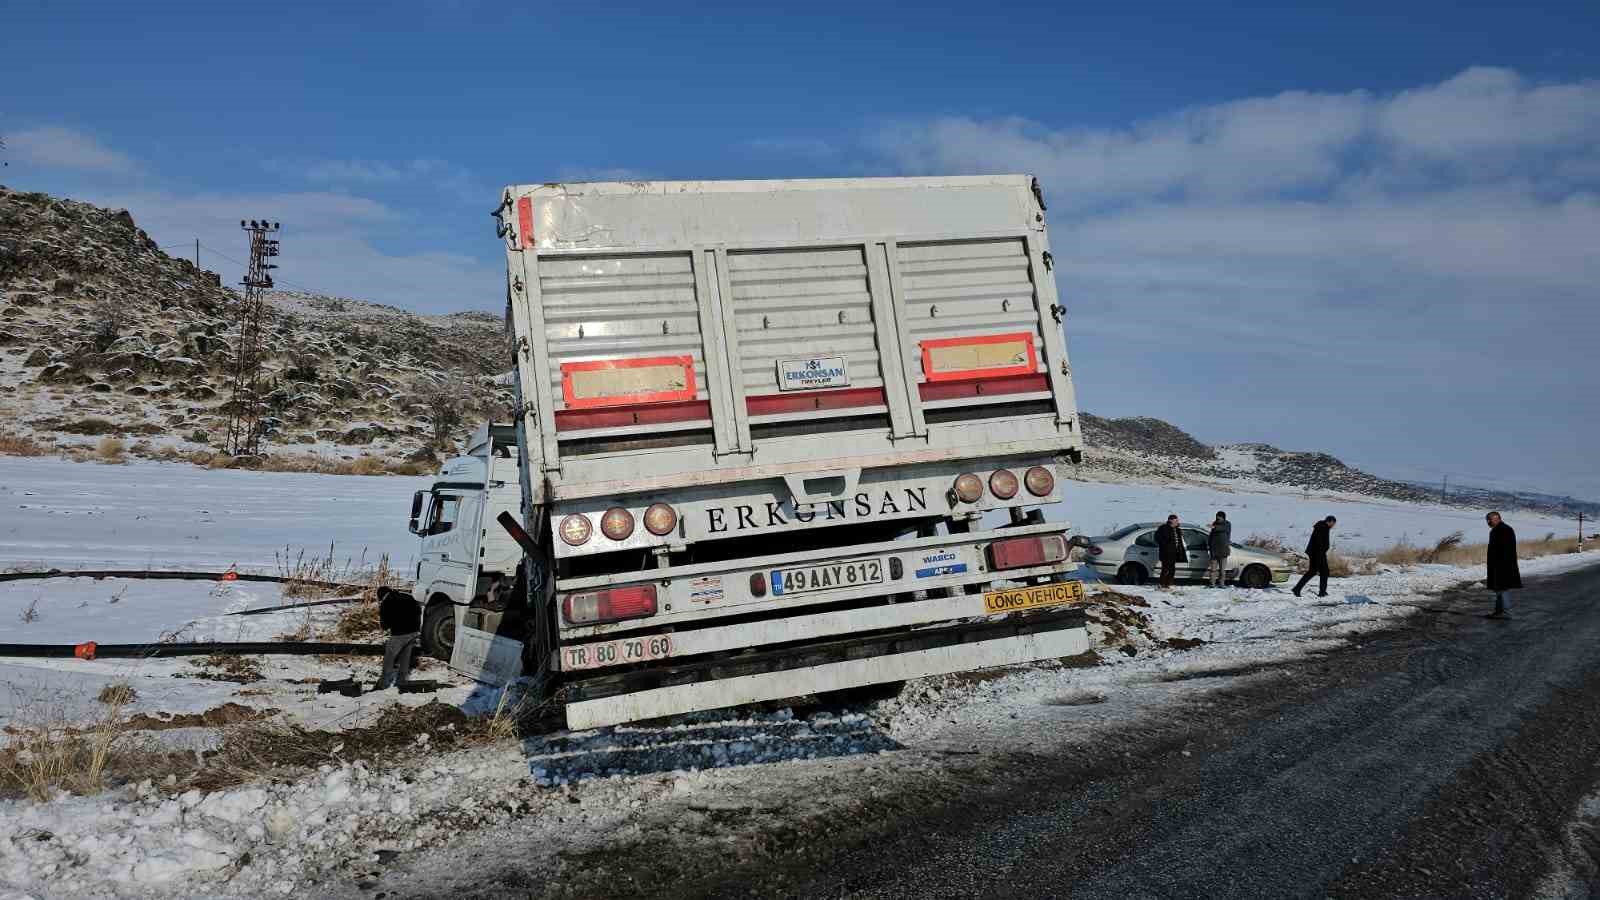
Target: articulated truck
pixel 771 439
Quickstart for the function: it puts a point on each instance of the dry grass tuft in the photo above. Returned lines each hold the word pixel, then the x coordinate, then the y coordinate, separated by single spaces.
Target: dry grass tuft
pixel 118 693
pixel 30 613
pixel 20 445
pixel 358 621
pixel 1266 542
pixel 1451 551
pixel 50 756
pixel 1339 566
pixel 111 450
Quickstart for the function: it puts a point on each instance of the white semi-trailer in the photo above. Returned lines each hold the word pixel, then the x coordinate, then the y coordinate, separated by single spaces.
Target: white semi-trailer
pixel 760 427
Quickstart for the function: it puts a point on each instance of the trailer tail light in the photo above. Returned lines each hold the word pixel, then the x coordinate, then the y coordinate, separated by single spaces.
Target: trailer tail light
pixel 575 529
pixel 968 488
pixel 1020 553
pixel 610 605
pixel 1003 484
pixel 617 523
pixel 1039 481
pixel 758 584
pixel 660 519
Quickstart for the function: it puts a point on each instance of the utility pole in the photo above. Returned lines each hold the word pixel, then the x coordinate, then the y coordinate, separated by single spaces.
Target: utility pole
pixel 244 407
pixel 1580 531
pixel 197 253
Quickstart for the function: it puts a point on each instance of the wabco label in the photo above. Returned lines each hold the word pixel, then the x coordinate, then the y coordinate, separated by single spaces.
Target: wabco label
pixel 706 589
pixel 940 563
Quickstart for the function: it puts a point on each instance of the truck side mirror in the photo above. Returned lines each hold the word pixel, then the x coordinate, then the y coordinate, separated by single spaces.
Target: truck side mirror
pixel 413 527
pixel 416 507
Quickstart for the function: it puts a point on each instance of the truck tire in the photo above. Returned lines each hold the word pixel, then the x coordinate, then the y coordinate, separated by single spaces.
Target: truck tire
pixel 1255 577
pixel 439 631
pixel 1132 574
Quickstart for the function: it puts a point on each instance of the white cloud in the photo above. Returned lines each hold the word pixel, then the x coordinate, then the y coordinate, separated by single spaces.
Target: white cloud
pixel 1407 276
pixel 54 147
pixel 445 177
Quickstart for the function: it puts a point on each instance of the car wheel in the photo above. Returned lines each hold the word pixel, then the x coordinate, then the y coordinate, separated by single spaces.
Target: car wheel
pixel 1131 573
pixel 439 630
pixel 1256 577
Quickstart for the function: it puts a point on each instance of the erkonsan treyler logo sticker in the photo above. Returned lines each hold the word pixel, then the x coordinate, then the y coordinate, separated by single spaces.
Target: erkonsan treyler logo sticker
pixel 942 562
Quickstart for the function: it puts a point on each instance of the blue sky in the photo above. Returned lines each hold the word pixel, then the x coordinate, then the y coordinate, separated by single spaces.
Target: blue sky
pixel 1368 231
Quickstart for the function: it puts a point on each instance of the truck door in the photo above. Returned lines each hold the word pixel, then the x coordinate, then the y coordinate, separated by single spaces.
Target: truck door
pixel 448 546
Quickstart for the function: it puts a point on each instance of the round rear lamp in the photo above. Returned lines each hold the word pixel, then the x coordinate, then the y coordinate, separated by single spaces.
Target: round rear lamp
pixel 660 519
pixel 968 488
pixel 1039 481
pixel 575 529
pixel 617 523
pixel 1003 484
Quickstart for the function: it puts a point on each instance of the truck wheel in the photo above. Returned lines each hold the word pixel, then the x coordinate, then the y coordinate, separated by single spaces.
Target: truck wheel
pixel 1255 577
pixel 439 631
pixel 1131 573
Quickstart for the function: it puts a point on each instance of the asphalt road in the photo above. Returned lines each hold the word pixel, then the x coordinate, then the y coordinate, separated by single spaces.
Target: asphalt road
pixel 1445 758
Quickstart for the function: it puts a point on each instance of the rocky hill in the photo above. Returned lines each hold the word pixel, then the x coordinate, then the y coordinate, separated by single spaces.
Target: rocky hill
pixel 101 333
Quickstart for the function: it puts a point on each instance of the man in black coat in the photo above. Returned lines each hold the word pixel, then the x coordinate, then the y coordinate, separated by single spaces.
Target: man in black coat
pixel 1169 541
pixel 1503 572
pixel 1317 553
pixel 403 620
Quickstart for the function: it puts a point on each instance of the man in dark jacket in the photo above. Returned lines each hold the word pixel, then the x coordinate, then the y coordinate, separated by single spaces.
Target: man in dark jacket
pixel 1317 554
pixel 1503 572
pixel 1220 543
pixel 1169 541
pixel 403 620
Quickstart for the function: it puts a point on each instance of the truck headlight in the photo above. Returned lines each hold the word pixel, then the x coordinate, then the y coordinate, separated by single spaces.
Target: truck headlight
pixel 617 523
pixel 968 488
pixel 660 519
pixel 575 529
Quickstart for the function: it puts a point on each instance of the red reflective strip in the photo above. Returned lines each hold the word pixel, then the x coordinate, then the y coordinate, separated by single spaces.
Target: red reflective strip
pixel 806 401
pixel 984 387
pixel 1032 365
pixel 525 220
pixel 649 414
pixel 637 362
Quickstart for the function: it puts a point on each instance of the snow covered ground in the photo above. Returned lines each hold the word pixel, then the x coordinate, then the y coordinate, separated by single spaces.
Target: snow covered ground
pixel 351 817
pixel 321 832
pixel 60 514
pixel 1365 523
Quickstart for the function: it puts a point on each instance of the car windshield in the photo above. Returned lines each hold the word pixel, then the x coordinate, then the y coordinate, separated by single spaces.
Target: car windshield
pixel 1122 532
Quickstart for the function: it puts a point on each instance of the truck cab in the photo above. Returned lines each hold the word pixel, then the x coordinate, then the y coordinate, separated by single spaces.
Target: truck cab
pixel 465 558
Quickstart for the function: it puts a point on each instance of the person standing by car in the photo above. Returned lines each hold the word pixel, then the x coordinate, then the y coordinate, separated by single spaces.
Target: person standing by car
pixel 1220 543
pixel 1317 552
pixel 1169 541
pixel 1504 575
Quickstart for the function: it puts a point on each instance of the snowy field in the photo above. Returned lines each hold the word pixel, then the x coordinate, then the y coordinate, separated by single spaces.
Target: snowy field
pixel 574 789
pixel 147 515
pixel 1365 523
pixel 281 838
pixel 61 514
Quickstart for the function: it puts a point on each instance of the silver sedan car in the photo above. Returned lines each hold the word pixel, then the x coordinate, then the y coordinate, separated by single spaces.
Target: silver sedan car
pixel 1129 556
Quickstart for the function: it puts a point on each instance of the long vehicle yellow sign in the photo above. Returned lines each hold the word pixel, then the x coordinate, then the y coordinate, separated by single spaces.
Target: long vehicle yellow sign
pixel 996 602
